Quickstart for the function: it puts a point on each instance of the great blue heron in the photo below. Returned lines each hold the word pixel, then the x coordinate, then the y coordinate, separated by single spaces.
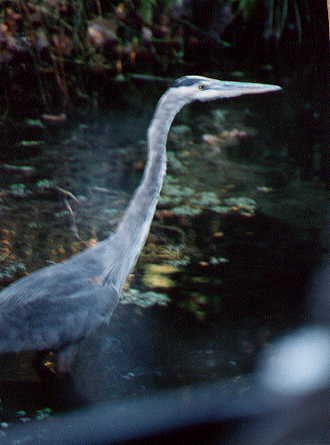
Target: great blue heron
pixel 56 307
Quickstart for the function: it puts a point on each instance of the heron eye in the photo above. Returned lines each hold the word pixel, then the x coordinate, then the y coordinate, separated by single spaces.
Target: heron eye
pixel 201 86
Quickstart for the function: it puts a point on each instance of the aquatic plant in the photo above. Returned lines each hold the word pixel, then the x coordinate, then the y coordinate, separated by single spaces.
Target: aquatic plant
pixel 144 299
pixel 34 123
pixel 174 193
pixel 183 261
pixel 205 199
pixel 189 201
pixel 186 210
pixel 19 190
pixel 45 184
pixel 218 260
pixel 175 163
pixel 30 143
pixel 23 416
pixel 241 202
pixel 9 270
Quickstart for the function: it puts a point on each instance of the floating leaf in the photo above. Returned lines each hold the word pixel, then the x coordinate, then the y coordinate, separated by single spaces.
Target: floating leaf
pixel 185 210
pixel 19 190
pixel 35 123
pixel 26 143
pixel 144 299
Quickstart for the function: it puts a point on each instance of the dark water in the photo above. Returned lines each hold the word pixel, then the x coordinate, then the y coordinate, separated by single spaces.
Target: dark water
pixel 231 250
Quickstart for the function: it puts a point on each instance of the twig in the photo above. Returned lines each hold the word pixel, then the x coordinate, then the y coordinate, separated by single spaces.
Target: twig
pixel 74 227
pixel 66 192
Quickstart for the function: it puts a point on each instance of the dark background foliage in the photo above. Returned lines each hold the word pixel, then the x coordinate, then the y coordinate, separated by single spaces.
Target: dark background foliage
pixel 66 50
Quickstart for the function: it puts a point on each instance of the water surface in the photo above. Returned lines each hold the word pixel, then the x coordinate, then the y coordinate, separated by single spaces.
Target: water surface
pixel 225 268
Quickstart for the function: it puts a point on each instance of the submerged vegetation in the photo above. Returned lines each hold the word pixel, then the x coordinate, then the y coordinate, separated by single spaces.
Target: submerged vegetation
pixel 38 200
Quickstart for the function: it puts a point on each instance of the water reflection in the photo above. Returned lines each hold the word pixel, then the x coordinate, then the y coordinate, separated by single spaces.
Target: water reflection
pixel 145 350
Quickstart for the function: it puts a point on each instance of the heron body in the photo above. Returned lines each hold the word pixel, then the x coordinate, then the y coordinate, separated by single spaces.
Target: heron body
pixel 56 307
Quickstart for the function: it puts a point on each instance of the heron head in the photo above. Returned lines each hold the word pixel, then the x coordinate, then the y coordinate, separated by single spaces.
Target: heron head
pixel 205 89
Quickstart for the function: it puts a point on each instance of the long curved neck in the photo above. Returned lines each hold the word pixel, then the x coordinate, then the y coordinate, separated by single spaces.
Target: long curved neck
pixel 130 236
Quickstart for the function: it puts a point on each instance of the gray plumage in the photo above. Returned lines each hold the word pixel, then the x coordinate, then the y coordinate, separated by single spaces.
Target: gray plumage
pixel 56 307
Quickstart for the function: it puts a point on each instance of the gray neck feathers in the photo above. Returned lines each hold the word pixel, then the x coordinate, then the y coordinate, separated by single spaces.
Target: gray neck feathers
pixel 127 242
